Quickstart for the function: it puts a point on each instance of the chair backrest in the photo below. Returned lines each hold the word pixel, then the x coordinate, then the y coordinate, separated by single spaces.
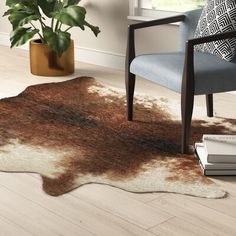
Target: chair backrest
pixel 188 27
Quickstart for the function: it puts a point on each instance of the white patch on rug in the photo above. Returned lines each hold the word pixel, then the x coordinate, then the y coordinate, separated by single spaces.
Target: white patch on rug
pixel 106 91
pixel 154 180
pixel 18 157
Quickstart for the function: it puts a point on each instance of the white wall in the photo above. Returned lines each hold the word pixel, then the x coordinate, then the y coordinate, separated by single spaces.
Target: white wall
pixel 109 48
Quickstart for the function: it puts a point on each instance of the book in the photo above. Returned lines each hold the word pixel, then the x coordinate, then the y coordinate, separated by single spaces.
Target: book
pixel 217 172
pixel 213 168
pixel 202 156
pixel 220 148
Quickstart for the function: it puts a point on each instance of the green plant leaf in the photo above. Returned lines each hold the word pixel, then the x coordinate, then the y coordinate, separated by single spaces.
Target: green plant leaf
pixel 58 41
pixel 27 7
pixel 67 3
pixel 21 18
pixel 72 16
pixel 8 12
pixel 47 6
pixel 95 29
pixel 58 7
pixel 21 35
pixel 12 3
pixel 23 4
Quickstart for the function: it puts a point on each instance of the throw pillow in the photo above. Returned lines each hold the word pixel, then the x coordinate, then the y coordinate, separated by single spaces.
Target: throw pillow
pixel 218 16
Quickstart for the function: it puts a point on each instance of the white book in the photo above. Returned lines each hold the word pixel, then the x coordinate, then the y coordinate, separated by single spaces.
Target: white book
pixel 220 148
pixel 212 168
pixel 202 155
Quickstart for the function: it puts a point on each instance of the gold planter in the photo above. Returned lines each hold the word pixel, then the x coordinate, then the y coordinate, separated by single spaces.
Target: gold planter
pixel 45 62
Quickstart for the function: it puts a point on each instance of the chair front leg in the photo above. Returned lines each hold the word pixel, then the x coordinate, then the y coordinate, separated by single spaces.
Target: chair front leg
pixel 129 77
pixel 130 85
pixel 209 104
pixel 187 96
pixel 187 100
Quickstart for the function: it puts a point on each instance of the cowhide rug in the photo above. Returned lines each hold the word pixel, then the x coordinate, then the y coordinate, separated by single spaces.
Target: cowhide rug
pixel 75 132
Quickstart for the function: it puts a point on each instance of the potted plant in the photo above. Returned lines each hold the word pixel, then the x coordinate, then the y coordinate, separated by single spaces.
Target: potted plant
pixel 52 54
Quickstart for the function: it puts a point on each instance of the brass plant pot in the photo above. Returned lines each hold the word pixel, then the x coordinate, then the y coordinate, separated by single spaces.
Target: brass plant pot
pixel 45 62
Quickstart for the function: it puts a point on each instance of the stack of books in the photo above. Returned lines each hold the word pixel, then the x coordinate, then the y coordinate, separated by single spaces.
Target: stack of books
pixel 217 154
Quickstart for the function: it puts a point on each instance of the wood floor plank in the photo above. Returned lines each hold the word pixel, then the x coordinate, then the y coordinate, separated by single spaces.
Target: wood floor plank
pixel 142 197
pixel 178 227
pixel 33 218
pixel 70 208
pixel 194 213
pixel 226 206
pixel 8 228
pixel 127 208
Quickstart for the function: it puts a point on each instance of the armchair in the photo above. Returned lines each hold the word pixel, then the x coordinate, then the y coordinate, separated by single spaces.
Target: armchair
pixel 186 72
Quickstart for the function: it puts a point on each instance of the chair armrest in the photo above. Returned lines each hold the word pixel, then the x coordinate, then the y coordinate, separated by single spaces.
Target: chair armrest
pixel 211 38
pixel 162 21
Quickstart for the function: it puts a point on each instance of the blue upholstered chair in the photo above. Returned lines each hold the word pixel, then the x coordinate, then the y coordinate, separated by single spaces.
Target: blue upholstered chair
pixel 185 71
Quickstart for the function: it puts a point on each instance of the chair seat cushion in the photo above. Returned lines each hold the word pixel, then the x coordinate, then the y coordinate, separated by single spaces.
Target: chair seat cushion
pixel 212 74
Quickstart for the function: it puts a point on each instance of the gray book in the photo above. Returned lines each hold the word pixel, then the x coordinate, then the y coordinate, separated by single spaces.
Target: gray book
pixel 220 148
pixel 217 172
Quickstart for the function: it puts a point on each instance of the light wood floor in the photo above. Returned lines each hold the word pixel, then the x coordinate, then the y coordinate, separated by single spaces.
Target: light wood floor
pixel 102 210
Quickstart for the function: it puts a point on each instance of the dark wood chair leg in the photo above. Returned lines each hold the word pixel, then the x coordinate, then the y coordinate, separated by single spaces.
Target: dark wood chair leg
pixel 187 101
pixel 129 77
pixel 130 85
pixel 187 97
pixel 209 104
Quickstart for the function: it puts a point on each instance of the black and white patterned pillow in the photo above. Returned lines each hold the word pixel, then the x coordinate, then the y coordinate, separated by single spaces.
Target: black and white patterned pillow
pixel 218 16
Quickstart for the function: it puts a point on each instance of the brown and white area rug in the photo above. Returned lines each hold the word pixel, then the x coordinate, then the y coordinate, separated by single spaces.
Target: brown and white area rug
pixel 75 132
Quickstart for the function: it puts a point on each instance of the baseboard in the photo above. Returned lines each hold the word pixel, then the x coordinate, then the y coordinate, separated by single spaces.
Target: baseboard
pixel 101 58
pixel 88 55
